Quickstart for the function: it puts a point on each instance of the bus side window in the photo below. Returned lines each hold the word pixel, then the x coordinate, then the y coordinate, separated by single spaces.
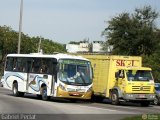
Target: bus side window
pixel 19 64
pixel 43 68
pixel 35 65
pixel 54 68
pixel 9 64
pixel 28 65
pixel 15 65
pixel 24 65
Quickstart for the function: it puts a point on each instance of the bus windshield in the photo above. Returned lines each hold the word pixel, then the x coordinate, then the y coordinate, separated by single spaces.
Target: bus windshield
pixel 139 75
pixel 75 72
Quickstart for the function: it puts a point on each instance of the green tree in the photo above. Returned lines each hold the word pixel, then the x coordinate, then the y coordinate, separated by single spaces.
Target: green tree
pixel 8 38
pixel 9 41
pixel 153 60
pixel 132 34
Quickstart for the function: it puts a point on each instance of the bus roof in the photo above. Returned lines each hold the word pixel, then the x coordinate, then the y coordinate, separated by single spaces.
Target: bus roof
pixel 57 56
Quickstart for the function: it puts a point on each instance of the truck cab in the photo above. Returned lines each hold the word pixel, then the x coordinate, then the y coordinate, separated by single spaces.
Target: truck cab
pixel 135 85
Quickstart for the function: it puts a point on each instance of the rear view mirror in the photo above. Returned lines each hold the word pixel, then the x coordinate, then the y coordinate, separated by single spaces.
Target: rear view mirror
pixel 116 75
pixel 121 76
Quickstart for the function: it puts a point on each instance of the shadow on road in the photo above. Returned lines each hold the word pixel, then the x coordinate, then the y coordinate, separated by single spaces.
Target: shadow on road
pixel 62 100
pixel 129 104
pixel 53 99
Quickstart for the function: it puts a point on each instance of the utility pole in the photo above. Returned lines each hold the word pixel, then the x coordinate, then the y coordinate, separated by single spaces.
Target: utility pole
pixel 20 27
pixel 39 45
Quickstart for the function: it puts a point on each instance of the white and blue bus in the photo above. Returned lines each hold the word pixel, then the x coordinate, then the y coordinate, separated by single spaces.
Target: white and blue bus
pixel 58 75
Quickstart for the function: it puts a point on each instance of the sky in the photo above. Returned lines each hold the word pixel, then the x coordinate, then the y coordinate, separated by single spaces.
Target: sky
pixel 67 20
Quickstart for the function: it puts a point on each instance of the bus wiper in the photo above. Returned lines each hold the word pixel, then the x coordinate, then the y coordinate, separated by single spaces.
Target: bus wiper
pixel 83 79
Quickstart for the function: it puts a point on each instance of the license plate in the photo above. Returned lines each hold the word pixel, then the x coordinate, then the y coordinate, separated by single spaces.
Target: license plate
pixel 142 96
pixel 75 94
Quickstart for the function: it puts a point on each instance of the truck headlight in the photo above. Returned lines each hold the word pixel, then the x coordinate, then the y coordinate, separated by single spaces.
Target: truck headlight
pixel 130 95
pixel 152 96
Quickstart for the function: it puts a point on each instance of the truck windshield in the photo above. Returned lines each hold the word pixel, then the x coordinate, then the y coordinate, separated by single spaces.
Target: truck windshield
pixel 75 72
pixel 139 75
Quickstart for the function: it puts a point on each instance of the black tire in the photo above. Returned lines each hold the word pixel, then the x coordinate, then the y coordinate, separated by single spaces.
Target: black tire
pixel 115 97
pixel 21 94
pixel 157 101
pixel 15 91
pixel 44 94
pixel 145 103
pixel 39 96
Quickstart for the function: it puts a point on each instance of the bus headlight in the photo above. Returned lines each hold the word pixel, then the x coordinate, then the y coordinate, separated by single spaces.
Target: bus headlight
pixel 62 87
pixel 90 89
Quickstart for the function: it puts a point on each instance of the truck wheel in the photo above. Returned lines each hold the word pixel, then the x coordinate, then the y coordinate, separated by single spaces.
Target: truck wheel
pixel 145 103
pixel 44 94
pixel 114 98
pixel 156 100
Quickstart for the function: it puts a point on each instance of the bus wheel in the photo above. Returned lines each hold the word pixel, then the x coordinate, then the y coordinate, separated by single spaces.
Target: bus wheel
pixel 114 98
pixel 44 94
pixel 39 96
pixel 15 91
pixel 145 103
pixel 21 94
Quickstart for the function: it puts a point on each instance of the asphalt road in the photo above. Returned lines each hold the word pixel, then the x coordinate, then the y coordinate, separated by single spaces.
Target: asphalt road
pixel 30 107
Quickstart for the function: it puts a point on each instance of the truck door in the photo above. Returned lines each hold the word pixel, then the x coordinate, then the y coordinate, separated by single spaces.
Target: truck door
pixel 121 79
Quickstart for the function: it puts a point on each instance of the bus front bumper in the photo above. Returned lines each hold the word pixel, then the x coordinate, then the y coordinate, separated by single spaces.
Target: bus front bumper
pixel 78 95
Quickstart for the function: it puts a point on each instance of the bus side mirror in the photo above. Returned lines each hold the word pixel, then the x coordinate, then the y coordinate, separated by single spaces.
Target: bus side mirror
pixel 116 75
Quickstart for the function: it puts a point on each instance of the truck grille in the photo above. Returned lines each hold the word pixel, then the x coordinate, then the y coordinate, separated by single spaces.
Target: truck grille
pixel 141 88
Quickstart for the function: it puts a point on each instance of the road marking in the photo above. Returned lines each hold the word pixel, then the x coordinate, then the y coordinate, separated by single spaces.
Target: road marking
pixel 135 108
pixel 97 108
pixel 104 109
pixel 157 107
